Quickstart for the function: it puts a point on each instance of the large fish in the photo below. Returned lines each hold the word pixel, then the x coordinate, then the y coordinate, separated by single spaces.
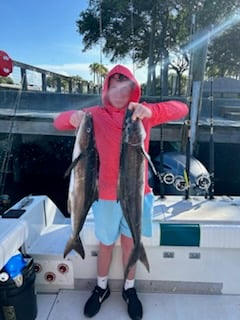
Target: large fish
pixel 83 186
pixel 131 185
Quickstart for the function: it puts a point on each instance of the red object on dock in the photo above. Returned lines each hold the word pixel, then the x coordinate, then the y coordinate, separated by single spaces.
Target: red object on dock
pixel 6 64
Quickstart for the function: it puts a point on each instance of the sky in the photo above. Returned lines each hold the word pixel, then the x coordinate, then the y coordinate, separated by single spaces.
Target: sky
pixel 44 34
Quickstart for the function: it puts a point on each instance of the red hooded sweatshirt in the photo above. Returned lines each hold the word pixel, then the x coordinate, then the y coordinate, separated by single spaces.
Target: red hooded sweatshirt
pixel 108 122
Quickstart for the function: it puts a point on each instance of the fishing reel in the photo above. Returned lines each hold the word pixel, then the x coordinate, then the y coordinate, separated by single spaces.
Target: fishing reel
pixel 180 183
pixel 168 178
pixel 203 182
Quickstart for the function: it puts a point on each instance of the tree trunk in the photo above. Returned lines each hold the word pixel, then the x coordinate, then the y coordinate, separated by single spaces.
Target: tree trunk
pixel 179 87
pixel 151 67
pixel 164 53
pixel 165 76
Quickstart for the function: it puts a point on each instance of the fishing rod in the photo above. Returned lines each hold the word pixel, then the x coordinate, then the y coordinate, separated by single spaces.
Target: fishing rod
pixel 163 177
pixel 188 121
pixel 186 172
pixel 211 137
pixel 211 145
pixel 161 169
pixel 4 198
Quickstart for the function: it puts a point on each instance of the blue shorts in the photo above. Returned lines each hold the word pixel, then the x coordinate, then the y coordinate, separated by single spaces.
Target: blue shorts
pixel 110 222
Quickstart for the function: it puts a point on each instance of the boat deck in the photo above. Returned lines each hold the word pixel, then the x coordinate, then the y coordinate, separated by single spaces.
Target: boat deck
pixel 194 254
pixel 69 304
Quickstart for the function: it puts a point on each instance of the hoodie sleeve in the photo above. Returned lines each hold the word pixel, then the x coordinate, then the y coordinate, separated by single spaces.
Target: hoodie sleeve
pixel 167 111
pixel 62 121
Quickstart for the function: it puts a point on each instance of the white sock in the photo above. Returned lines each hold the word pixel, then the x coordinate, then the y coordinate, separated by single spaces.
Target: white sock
pixel 129 284
pixel 102 282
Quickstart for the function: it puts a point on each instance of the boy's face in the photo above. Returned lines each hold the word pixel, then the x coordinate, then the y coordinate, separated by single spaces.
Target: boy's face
pixel 119 92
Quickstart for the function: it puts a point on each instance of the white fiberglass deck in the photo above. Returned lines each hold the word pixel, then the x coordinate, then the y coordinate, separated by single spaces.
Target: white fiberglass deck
pixel 197 279
pixel 69 304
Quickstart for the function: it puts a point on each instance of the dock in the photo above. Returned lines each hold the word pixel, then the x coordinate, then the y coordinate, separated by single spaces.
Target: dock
pixel 33 122
pixel 28 109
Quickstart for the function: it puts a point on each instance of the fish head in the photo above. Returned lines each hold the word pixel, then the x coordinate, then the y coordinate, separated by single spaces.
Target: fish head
pixel 134 132
pixel 86 131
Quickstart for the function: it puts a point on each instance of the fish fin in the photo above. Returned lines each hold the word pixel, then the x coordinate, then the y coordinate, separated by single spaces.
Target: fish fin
pixel 143 257
pixel 74 244
pixel 126 272
pixel 72 165
pixel 138 253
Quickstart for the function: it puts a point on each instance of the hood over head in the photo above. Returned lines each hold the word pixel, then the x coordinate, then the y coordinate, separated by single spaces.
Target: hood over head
pixel 120 69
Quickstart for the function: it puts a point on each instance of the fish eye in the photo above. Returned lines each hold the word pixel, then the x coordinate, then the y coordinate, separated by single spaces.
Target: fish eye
pixel 88 130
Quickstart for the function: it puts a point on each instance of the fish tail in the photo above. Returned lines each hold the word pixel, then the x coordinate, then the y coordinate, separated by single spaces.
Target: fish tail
pixel 74 244
pixel 143 257
pixel 131 263
pixel 138 253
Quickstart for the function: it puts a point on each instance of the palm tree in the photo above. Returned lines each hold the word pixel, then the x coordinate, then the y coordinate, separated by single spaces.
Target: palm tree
pixel 102 72
pixel 94 70
pixel 99 72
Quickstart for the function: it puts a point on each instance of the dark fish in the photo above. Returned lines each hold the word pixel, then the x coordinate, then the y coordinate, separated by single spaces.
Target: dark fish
pixel 83 186
pixel 131 185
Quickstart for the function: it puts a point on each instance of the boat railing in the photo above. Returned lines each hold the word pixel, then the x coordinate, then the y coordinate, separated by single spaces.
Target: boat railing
pixel 49 81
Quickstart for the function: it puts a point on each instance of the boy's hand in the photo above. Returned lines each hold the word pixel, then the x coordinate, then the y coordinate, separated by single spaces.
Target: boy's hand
pixel 76 118
pixel 139 111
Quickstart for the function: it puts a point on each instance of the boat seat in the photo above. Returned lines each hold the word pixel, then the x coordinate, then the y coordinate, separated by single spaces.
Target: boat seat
pixel 13 234
pixel 16 225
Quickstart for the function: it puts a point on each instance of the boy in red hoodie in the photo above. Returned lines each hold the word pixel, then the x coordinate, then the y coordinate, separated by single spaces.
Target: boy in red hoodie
pixel 120 91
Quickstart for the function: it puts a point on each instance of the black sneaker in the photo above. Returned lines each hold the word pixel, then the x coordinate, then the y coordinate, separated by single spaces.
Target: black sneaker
pixel 135 310
pixel 93 304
